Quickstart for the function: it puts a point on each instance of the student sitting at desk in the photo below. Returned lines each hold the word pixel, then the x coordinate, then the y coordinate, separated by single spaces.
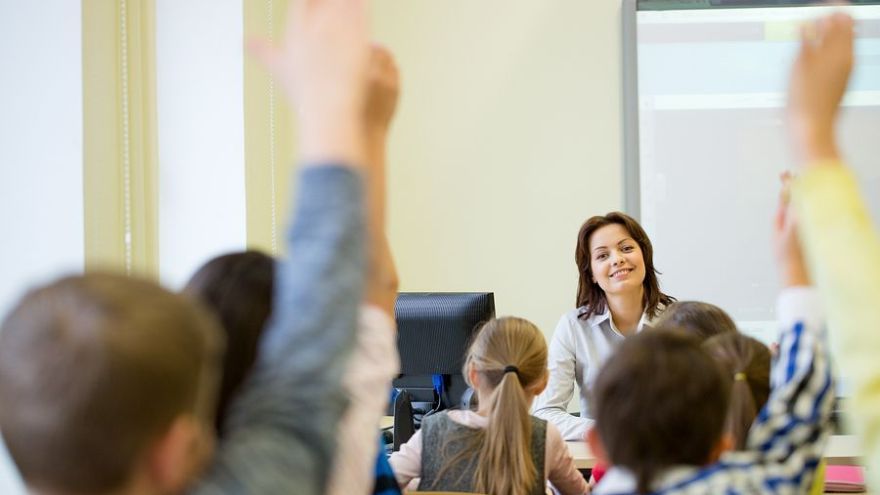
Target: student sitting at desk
pixel 618 295
pixel 500 448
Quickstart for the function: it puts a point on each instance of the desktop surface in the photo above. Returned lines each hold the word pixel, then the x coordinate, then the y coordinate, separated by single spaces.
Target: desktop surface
pixel 841 450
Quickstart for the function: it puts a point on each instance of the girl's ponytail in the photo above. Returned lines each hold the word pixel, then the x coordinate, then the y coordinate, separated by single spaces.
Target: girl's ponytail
pixel 509 355
pixel 505 462
pixel 742 410
pixel 748 363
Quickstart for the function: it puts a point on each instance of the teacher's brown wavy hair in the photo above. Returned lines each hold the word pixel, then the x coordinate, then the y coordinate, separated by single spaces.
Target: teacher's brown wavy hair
pixel 589 295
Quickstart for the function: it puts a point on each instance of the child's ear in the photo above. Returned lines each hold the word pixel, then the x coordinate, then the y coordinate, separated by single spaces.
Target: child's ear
pixel 180 454
pixel 537 387
pixel 597 448
pixel 473 376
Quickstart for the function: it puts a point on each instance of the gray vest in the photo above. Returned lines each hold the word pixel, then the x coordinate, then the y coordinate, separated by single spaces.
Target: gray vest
pixel 443 438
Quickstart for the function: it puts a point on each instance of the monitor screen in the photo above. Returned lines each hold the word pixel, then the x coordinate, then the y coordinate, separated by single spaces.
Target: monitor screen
pixel 433 333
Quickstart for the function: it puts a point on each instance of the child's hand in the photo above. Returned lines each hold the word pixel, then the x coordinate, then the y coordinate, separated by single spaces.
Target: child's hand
pixel 789 257
pixel 321 64
pixel 383 89
pixel 818 82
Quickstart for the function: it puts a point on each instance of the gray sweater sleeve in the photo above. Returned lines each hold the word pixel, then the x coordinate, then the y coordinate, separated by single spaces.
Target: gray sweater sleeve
pixel 282 428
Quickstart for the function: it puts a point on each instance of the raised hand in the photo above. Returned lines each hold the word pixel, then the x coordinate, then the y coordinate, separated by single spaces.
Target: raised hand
pixel 789 257
pixel 383 90
pixel 321 65
pixel 818 81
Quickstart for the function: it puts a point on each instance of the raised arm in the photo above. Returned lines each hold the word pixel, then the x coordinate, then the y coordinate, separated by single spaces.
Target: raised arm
pixel 282 429
pixel 790 433
pixel 835 223
pixel 383 89
pixel 375 362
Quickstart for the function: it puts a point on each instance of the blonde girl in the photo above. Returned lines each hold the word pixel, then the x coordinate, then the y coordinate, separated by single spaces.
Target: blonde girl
pixel 499 448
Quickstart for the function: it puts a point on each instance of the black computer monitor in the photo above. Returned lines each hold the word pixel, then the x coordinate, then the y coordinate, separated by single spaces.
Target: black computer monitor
pixel 434 330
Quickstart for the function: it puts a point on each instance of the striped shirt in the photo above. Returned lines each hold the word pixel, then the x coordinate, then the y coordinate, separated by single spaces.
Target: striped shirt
pixel 787 439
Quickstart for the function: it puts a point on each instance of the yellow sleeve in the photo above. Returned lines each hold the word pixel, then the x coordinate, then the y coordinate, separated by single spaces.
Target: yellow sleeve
pixel 819 480
pixel 843 253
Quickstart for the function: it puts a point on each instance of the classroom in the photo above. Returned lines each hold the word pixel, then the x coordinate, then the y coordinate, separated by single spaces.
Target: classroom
pixel 140 139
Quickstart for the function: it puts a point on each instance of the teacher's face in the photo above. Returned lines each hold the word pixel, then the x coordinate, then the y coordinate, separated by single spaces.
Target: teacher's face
pixel 616 260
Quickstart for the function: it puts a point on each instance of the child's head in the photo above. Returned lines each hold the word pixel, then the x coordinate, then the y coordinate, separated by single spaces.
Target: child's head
pixel 701 319
pixel 660 402
pixel 107 382
pixel 603 240
pixel 237 287
pixel 747 362
pixel 507 366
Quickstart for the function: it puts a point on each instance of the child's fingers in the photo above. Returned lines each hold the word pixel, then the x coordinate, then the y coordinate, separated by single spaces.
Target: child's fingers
pixel 844 31
pixel 353 11
pixel 809 35
pixel 836 29
pixel 782 208
pixel 382 65
pixel 785 177
pixel 379 55
pixel 785 190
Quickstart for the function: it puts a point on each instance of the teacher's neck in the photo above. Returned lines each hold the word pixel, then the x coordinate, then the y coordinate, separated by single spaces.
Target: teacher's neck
pixel 626 310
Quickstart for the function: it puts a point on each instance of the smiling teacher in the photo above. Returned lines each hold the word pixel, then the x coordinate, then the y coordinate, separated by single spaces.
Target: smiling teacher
pixel 618 295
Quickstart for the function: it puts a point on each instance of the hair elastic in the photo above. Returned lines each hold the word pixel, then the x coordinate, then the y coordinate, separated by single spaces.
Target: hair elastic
pixel 511 369
pixel 739 377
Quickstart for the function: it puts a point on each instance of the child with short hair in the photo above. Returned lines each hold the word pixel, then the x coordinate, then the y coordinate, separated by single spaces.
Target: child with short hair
pixel 700 319
pixel 663 403
pixel 108 383
pixel 500 448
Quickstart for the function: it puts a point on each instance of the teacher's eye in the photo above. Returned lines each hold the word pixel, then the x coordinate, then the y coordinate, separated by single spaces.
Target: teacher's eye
pixel 627 249
pixel 602 256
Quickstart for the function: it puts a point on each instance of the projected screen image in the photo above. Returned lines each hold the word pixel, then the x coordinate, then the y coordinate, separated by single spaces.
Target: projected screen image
pixel 712 143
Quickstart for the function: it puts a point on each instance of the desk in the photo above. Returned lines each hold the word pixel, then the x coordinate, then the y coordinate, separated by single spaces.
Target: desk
pixel 841 450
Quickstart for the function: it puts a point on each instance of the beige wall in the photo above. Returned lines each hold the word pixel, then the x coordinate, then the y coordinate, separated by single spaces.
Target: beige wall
pixel 508 137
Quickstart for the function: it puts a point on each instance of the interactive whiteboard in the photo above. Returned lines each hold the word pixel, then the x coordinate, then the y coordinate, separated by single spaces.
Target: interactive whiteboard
pixel 705 141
